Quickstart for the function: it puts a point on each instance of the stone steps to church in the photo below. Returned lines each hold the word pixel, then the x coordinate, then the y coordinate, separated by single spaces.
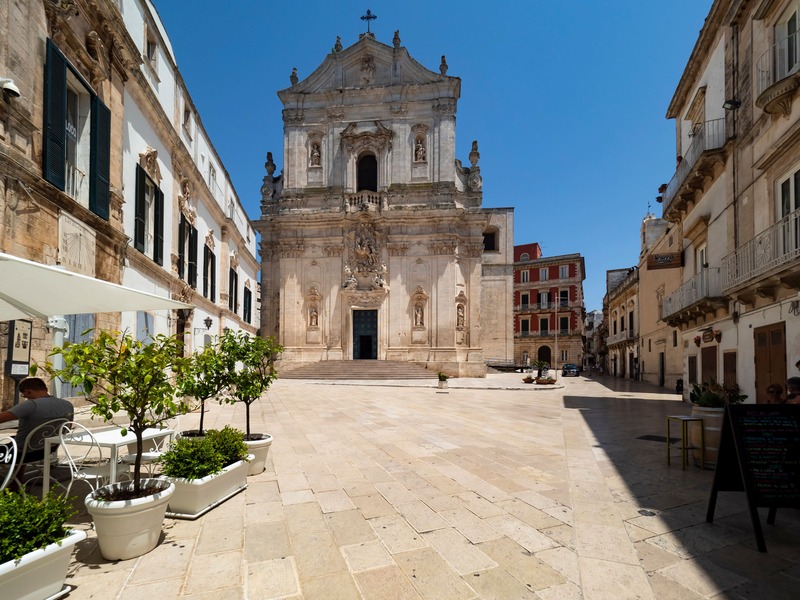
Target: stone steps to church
pixel 358 370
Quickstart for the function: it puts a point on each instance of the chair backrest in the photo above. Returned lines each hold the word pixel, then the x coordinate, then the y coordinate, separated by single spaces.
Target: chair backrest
pixel 8 457
pixel 79 446
pixel 34 442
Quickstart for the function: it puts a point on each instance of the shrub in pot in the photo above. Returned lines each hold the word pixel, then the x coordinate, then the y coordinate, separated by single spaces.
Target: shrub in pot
pixel 119 374
pixel 35 546
pixel 254 373
pixel 205 471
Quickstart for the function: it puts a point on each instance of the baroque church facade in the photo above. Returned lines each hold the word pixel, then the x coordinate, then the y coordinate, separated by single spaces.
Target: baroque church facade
pixel 374 241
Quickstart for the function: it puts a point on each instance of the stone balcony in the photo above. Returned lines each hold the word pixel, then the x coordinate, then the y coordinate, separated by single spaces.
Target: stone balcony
pixel 778 76
pixel 697 297
pixel 696 169
pixel 621 337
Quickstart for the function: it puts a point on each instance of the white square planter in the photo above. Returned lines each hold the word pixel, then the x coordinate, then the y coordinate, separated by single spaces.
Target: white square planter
pixel 41 573
pixel 194 498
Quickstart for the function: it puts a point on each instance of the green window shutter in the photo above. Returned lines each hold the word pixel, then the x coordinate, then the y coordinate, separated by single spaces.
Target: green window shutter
pixel 213 296
pixel 158 224
pixel 206 269
pixel 182 247
pixel 192 278
pixel 100 159
pixel 55 115
pixel 139 212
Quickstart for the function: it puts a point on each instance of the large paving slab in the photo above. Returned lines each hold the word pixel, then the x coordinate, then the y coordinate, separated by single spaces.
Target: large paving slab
pixel 489 489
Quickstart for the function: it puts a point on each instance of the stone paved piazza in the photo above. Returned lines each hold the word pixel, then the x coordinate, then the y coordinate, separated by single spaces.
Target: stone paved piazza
pixel 486 490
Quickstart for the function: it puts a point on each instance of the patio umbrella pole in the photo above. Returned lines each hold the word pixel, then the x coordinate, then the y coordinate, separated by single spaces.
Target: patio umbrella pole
pixel 59 326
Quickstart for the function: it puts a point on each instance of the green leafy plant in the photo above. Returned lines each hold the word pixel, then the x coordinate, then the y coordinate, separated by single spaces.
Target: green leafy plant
pixel 255 368
pixel 527 379
pixel 229 442
pixel 119 373
pixel 207 375
pixel 716 395
pixel 195 458
pixel 28 524
pixel 191 458
pixel 540 365
pixel 443 376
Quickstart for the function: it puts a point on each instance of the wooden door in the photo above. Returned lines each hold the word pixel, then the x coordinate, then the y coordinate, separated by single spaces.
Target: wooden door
pixel 770 358
pixel 708 364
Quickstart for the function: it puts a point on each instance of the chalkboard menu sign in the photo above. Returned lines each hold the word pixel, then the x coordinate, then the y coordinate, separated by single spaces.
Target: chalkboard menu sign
pixel 759 454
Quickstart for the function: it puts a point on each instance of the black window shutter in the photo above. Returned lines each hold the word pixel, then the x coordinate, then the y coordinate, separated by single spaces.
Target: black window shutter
pixel 139 216
pixel 55 116
pixel 192 257
pixel 247 306
pixel 182 247
pixel 158 225
pixel 100 159
pixel 213 296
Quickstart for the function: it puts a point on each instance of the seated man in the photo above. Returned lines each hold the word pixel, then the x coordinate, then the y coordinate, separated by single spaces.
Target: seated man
pixel 793 390
pixel 39 408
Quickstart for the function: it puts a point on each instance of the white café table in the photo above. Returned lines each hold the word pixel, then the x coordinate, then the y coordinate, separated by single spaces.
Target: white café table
pixel 108 437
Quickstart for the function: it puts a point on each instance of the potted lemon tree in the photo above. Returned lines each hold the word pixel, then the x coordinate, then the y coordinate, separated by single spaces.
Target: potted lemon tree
pixel 135 379
pixel 254 372
pixel 35 545
pixel 206 376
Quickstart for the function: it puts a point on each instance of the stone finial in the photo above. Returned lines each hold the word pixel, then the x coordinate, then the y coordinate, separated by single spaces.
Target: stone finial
pixel 337 47
pixel 443 66
pixel 396 39
pixel 269 165
pixel 293 76
pixel 474 156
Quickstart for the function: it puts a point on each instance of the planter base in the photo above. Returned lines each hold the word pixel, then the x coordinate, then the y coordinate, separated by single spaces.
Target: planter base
pixel 193 516
pixel 41 573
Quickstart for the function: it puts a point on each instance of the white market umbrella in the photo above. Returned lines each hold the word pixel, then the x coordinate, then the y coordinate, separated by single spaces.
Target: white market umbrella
pixel 31 289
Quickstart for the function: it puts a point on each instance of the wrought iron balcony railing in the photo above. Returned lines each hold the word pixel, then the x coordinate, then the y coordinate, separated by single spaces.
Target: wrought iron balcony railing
pixel 707 136
pixel 706 284
pixel 621 336
pixel 779 62
pixel 773 247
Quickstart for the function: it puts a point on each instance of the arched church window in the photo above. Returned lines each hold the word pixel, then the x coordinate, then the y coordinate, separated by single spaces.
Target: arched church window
pixel 367 173
pixel 525 256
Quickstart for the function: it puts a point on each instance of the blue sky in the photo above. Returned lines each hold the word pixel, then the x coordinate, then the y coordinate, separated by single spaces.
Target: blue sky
pixel 566 99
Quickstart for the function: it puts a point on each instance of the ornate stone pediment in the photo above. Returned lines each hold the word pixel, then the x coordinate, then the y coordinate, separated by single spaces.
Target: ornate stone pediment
pixel 364 298
pixel 148 160
pixel 210 239
pixel 355 142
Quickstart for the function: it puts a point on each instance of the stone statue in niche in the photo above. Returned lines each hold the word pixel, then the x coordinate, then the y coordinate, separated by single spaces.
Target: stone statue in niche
pixel 419 151
pixel 315 155
pixel 419 316
pixel 460 315
pixel 313 317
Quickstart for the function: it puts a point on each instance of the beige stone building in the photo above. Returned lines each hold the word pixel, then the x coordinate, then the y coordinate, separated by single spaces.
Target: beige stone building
pixel 736 195
pixel 660 350
pixel 621 314
pixel 106 170
pixel 375 244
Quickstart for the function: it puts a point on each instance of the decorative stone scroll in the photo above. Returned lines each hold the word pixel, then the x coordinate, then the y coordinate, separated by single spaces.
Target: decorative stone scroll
pixel 398 249
pixel 210 239
pixel 291 250
pixel 234 260
pixel 148 160
pixel 445 109
pixel 442 248
pixel 293 116
pixel 376 141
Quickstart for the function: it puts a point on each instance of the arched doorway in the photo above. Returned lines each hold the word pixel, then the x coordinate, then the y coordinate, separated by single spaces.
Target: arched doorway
pixel 544 354
pixel 367 173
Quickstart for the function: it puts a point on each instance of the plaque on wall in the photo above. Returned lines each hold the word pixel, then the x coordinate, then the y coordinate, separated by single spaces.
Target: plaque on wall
pixel 76 245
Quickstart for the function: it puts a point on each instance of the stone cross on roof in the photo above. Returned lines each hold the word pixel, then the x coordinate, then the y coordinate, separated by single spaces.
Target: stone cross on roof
pixel 369 17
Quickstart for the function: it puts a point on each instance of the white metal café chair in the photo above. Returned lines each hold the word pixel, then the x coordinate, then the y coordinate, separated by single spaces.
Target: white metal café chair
pixel 31 454
pixel 151 455
pixel 84 456
pixel 8 458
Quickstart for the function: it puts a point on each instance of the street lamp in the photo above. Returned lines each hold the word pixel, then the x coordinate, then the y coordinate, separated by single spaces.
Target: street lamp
pixel 207 322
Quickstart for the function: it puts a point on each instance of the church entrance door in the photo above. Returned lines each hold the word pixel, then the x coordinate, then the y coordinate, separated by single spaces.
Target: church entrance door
pixel 365 334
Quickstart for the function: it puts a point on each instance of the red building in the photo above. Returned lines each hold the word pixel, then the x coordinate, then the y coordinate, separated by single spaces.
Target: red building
pixel 548 307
